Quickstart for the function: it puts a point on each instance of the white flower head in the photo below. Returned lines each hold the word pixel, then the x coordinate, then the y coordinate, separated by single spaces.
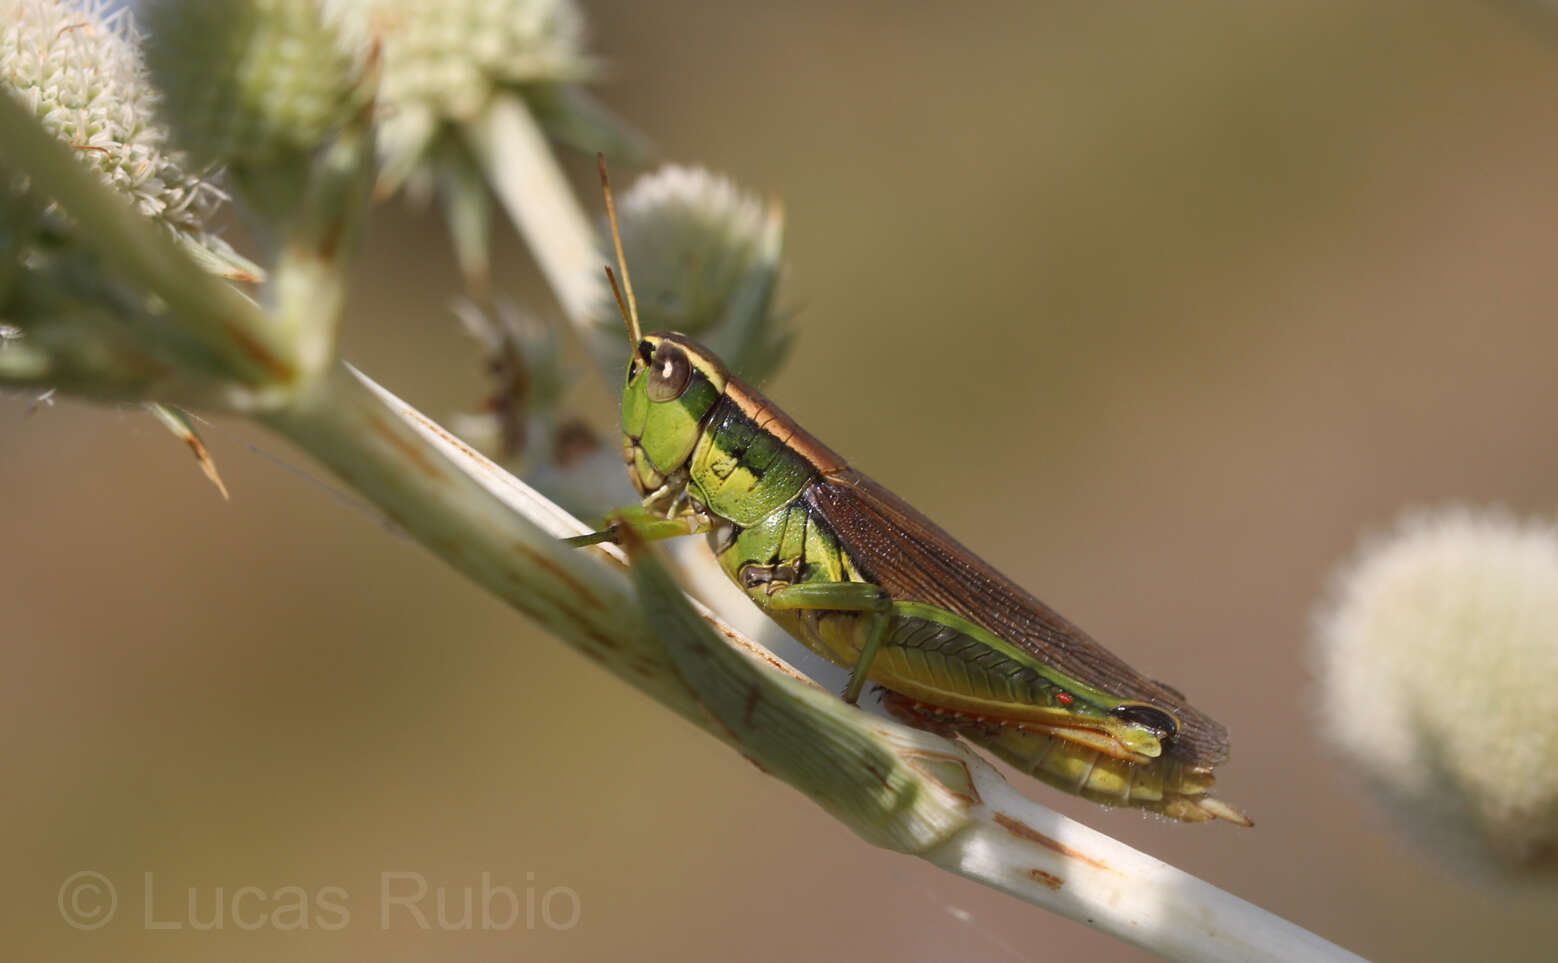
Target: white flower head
pixel 1438 658
pixel 704 257
pixel 450 54
pixel 76 66
pixel 444 60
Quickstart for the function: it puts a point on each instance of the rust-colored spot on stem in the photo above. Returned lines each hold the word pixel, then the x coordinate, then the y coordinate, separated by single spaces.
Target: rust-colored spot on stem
pixel 878 773
pixel 443 433
pixel 949 772
pixel 416 456
pixel 560 573
pixel 1046 879
pixel 1022 830
pixel 274 366
pixel 330 242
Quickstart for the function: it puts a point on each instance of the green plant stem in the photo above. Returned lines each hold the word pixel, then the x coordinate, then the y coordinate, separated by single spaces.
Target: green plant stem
pixel 310 281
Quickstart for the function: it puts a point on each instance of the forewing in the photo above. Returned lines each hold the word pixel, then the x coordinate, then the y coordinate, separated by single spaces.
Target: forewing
pixel 914 560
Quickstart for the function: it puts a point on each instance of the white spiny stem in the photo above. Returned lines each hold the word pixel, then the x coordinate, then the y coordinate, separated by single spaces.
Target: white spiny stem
pixel 491 526
pixel 1064 866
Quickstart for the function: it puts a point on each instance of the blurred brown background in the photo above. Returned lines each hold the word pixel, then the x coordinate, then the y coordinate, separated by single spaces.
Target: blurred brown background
pixel 1159 307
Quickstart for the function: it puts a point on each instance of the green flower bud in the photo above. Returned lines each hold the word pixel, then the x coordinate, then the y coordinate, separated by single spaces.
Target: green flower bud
pixel 1439 666
pixel 248 83
pixel 527 380
pixel 704 258
pixel 523 424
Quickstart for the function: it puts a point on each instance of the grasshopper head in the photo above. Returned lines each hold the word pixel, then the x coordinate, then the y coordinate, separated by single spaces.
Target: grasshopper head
pixel 671 384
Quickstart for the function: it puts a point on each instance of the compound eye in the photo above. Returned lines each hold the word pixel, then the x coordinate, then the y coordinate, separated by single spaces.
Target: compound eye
pixel 670 372
pixel 1150 717
pixel 640 360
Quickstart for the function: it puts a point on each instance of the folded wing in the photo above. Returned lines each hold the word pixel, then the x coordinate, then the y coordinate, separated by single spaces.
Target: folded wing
pixel 914 560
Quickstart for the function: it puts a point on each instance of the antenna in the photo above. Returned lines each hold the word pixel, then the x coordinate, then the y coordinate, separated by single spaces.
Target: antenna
pixel 630 309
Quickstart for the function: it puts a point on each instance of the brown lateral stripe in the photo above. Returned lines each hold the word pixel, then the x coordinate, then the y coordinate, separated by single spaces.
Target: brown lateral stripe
pixel 767 417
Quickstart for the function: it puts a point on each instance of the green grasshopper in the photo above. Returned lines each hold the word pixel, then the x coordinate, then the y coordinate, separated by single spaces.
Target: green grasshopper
pixel 859 576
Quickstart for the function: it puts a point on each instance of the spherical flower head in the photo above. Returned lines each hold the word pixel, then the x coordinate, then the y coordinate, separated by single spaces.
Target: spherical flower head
pixel 443 60
pixel 248 81
pixel 1438 657
pixel 704 257
pixel 450 54
pixel 76 66
pixel 81 326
